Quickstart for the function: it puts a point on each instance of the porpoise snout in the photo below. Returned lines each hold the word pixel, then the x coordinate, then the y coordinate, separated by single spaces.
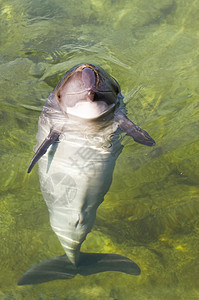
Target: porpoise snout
pixel 89 78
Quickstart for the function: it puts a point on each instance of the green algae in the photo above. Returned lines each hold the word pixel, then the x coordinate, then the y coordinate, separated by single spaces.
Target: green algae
pixel 150 213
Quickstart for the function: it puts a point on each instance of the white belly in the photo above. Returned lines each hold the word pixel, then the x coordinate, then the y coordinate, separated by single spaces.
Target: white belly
pixel 75 174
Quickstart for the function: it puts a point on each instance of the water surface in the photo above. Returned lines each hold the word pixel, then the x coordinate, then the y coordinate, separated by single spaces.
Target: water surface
pixel 150 213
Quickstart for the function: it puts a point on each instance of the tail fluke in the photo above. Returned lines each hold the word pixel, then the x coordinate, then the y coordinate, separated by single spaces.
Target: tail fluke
pixel 90 263
pixel 50 269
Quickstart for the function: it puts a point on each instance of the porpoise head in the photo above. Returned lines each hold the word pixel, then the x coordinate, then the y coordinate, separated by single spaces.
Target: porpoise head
pixel 87 91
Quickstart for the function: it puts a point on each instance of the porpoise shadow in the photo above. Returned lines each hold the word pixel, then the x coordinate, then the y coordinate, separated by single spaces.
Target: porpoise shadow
pixel 59 267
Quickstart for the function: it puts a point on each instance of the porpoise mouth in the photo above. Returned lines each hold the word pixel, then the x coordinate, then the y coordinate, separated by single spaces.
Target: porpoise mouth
pixel 87 93
pixel 90 110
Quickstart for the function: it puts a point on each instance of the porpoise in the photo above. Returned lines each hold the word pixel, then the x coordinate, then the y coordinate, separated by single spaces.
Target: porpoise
pixel 78 143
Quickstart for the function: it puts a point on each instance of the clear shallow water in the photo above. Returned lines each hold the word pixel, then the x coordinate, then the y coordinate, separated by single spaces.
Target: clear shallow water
pixel 150 213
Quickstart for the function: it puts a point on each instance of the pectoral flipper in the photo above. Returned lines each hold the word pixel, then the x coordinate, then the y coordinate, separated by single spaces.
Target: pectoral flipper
pixel 51 138
pixel 139 135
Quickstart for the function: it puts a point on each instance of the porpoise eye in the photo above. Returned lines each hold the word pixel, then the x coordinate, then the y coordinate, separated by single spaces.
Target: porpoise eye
pixel 58 96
